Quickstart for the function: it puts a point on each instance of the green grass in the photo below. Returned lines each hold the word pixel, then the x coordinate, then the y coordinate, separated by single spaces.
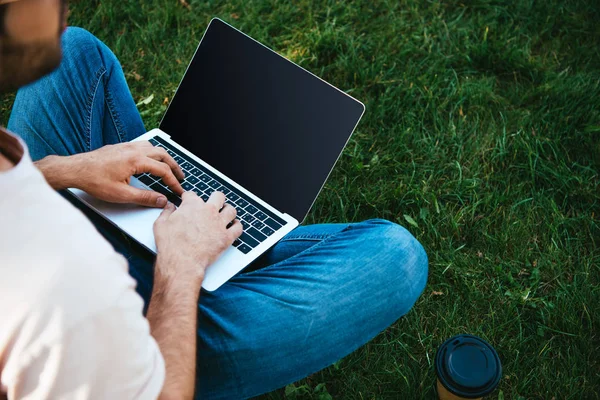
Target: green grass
pixel 482 136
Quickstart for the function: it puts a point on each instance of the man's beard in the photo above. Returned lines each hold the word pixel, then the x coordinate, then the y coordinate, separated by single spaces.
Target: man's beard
pixel 23 64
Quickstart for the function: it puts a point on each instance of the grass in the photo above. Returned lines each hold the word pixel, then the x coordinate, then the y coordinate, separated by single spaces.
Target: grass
pixel 482 136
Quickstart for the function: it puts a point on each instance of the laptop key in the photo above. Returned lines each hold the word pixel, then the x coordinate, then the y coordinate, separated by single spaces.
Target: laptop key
pixel 204 178
pixel 257 224
pixel 163 184
pixel 204 197
pixel 244 248
pixel 260 215
pixel 233 197
pixel 224 190
pixel 187 186
pixel 248 218
pixel 272 223
pixel 159 186
pixel 231 204
pixel 197 191
pixel 192 179
pixel 214 184
pixel 249 240
pixel 201 185
pixel 256 234
pixel 172 197
pixel 241 202
pixel 187 166
pixel 236 243
pixel 251 209
pixel 179 160
pixel 153 141
pixel 195 171
pixel 209 191
pixel 267 231
pixel 245 225
pixel 145 179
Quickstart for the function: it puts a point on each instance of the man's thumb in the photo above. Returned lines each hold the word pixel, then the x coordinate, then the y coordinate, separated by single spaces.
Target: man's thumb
pixel 148 198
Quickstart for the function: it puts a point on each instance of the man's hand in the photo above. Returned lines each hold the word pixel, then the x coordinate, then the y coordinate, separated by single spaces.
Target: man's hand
pixel 105 173
pixel 188 239
pixel 193 236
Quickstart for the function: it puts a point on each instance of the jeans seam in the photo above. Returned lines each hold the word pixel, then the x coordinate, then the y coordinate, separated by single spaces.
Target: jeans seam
pixel 90 108
pixel 303 252
pixel 114 115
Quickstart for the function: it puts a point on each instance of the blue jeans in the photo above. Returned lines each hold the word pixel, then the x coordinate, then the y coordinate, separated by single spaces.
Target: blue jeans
pixel 320 293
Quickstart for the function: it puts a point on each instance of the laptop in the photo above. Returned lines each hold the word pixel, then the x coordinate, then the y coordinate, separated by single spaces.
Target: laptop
pixel 254 125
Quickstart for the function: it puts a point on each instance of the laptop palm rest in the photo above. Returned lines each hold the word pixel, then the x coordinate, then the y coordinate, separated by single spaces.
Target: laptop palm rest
pixel 136 221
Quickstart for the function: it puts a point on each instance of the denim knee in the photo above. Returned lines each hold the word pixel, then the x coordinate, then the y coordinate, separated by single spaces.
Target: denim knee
pixel 76 38
pixel 399 239
pixel 80 46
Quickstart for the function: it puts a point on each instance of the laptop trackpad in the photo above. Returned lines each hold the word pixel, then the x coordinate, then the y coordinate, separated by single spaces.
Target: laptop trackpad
pixel 136 221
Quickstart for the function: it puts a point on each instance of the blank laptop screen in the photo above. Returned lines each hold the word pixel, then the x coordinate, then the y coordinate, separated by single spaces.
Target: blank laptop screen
pixel 261 120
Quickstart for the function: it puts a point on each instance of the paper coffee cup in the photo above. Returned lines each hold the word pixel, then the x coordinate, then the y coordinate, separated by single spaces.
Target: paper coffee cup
pixel 467 367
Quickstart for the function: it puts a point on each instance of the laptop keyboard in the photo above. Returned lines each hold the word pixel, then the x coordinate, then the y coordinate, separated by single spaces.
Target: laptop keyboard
pixel 258 222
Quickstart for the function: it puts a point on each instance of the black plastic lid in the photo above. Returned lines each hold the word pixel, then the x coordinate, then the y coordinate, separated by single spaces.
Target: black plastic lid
pixel 468 366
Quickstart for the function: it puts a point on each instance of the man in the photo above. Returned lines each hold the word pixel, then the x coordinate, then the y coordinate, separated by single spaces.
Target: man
pixel 72 322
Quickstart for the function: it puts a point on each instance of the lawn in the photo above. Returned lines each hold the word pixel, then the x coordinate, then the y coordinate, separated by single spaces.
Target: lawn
pixel 481 136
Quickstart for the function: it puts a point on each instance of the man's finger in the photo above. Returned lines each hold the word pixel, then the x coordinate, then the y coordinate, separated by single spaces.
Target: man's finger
pixel 236 229
pixel 161 169
pixel 160 154
pixel 142 143
pixel 188 195
pixel 216 198
pixel 166 212
pixel 148 198
pixel 228 213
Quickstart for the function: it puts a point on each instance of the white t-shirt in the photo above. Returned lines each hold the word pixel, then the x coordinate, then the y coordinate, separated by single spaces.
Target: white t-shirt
pixel 71 323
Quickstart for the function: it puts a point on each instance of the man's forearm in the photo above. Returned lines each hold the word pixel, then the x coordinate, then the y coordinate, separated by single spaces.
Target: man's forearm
pixel 60 172
pixel 173 315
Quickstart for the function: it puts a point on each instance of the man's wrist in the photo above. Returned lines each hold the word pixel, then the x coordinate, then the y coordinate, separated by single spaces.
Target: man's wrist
pixel 169 289
pixel 178 271
pixel 61 172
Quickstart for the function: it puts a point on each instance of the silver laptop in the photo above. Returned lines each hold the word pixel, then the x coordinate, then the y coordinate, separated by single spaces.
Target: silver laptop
pixel 254 125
